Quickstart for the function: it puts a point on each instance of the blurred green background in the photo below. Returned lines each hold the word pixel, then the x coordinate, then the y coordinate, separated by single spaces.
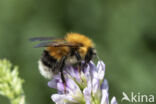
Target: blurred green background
pixel 124 32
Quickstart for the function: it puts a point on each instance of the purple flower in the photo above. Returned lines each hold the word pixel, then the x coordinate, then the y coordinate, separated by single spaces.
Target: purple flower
pixel 85 87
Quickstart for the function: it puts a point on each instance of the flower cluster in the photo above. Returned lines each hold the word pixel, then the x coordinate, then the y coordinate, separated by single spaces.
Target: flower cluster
pixel 10 83
pixel 85 87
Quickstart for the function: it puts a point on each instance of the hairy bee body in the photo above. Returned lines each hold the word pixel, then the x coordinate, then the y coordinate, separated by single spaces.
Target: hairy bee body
pixel 73 51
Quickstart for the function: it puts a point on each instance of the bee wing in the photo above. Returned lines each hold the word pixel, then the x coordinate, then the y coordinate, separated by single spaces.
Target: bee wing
pixel 57 44
pixel 44 38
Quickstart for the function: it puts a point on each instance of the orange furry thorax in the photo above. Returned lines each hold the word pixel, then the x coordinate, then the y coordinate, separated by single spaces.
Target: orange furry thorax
pixel 58 52
pixel 79 38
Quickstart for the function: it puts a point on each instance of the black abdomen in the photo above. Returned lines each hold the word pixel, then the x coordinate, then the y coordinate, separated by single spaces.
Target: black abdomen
pixel 49 61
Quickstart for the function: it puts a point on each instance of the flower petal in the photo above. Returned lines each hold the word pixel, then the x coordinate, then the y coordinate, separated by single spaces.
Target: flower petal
pixel 105 85
pixel 72 72
pixel 95 85
pixel 63 99
pixel 53 83
pixel 60 87
pixel 113 101
pixel 101 70
pixel 71 85
pixel 87 95
pixel 105 99
pixel 93 70
pixel 87 73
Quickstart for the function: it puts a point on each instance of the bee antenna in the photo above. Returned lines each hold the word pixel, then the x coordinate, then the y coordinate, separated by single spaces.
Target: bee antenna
pixel 98 57
pixel 99 60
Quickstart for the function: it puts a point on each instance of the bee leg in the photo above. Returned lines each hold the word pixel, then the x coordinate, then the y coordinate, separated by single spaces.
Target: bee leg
pixel 88 57
pixel 78 57
pixel 79 62
pixel 62 64
pixel 84 65
pixel 64 81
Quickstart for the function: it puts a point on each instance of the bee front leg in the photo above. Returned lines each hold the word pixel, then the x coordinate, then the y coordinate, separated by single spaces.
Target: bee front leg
pixel 88 56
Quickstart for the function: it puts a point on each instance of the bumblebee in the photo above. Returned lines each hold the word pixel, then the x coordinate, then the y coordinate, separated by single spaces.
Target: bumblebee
pixel 70 50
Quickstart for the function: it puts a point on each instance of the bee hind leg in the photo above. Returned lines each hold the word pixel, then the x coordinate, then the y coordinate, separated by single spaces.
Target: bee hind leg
pixel 62 64
pixel 64 81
